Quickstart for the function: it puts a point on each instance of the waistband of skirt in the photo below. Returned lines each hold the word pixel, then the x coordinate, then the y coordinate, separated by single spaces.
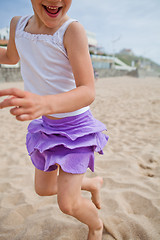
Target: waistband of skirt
pixel 67 119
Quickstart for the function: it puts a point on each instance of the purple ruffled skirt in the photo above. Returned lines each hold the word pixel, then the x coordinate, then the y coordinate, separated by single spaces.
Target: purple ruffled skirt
pixel 69 142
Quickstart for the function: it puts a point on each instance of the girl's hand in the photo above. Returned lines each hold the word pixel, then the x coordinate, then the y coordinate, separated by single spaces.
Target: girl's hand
pixel 27 106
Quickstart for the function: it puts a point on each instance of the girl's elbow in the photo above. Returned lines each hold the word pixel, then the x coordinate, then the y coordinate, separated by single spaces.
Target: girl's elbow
pixel 14 60
pixel 92 96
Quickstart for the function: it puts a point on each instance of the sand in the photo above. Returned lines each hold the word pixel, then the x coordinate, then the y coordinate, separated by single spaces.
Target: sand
pixel 130 166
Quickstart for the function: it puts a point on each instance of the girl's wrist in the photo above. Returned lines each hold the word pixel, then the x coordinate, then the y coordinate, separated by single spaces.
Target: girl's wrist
pixel 48 104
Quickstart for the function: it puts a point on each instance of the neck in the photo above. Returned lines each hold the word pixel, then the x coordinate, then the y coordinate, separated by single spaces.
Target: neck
pixel 50 27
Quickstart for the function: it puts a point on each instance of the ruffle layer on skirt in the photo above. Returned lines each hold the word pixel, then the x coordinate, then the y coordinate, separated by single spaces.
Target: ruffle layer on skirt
pixel 69 142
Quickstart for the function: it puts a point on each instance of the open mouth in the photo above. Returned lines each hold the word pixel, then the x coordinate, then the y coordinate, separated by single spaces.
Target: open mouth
pixel 52 11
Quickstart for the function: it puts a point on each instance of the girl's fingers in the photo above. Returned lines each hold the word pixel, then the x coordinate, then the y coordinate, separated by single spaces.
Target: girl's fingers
pixel 16 101
pixel 11 101
pixel 17 111
pixel 27 116
pixel 25 105
pixel 24 117
pixel 12 92
pixel 15 97
pixel 24 114
pixel 21 114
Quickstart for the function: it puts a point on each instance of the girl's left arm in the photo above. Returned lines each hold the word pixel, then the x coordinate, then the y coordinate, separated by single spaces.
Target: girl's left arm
pixel 28 106
pixel 76 44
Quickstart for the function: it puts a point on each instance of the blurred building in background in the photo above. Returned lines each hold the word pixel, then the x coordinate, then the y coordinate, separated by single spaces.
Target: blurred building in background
pixel 4 33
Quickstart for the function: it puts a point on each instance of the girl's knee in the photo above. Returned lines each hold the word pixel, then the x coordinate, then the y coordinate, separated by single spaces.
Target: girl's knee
pixel 68 206
pixel 40 192
pixel 44 191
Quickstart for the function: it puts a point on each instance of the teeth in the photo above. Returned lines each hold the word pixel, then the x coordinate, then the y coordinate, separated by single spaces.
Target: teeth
pixel 53 8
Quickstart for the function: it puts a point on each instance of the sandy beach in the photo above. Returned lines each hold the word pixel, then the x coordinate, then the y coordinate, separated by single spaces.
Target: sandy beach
pixel 130 166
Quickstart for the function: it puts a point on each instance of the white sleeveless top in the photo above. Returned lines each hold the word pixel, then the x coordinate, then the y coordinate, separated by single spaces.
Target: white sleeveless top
pixel 45 66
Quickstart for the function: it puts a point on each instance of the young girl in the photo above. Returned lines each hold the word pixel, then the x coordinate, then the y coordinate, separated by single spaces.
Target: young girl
pixel 59 86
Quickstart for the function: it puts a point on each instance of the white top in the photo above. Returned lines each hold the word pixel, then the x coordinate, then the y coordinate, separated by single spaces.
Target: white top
pixel 45 66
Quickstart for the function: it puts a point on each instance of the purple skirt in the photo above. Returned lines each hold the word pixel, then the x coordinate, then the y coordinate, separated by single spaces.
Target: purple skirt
pixel 68 142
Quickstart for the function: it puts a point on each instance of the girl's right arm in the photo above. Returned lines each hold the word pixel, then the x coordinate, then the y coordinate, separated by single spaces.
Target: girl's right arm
pixel 10 55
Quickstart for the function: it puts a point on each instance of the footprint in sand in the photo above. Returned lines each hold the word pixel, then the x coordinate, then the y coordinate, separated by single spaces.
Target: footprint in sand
pixel 147 170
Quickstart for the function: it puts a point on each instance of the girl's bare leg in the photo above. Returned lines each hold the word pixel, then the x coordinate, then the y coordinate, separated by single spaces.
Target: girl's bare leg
pixel 72 203
pixel 46 185
pixel 93 185
pixel 46 182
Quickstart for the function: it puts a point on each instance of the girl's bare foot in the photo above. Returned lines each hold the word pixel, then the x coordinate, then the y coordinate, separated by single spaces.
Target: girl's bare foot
pixel 95 191
pixel 97 233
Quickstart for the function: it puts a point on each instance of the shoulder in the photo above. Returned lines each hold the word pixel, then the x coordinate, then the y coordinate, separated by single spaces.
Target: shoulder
pixel 13 25
pixel 75 28
pixel 75 34
pixel 14 21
